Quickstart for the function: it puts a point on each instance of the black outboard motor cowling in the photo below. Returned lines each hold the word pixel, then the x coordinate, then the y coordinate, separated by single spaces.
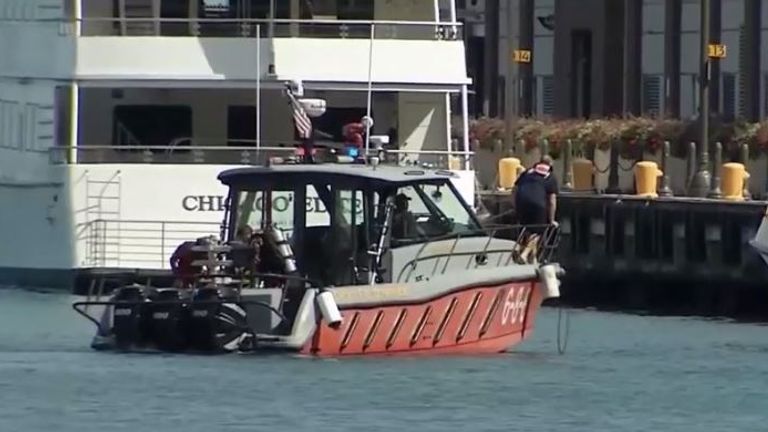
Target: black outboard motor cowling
pixel 127 315
pixel 167 320
pixel 202 329
pixel 216 322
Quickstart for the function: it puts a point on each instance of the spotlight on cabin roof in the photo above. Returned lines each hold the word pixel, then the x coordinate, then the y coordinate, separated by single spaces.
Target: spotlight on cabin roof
pixel 313 107
pixel 379 141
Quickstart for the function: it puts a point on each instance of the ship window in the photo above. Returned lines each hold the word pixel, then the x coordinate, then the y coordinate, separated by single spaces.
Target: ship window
pixel 151 125
pixel 430 210
pixel 355 9
pixel 241 126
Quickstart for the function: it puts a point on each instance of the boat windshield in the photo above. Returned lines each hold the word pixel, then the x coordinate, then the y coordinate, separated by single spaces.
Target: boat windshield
pixel 427 211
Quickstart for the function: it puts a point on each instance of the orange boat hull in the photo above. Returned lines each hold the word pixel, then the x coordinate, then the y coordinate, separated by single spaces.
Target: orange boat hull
pixel 476 320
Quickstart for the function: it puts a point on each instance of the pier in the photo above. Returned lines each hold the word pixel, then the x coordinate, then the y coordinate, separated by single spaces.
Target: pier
pixel 674 255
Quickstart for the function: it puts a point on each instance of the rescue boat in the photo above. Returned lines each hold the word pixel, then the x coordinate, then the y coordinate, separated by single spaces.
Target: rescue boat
pixel 397 263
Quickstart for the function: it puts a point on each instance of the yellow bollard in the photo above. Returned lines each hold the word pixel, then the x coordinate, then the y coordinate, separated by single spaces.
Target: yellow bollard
pixel 647 174
pixel 583 175
pixel 454 163
pixel 509 169
pixel 733 177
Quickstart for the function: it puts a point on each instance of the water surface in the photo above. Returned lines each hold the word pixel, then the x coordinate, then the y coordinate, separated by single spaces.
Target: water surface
pixel 619 373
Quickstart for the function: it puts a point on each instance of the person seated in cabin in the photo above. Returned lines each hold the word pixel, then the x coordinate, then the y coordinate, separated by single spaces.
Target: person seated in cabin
pixel 244 234
pixel 246 250
pixel 404 224
pixel 535 197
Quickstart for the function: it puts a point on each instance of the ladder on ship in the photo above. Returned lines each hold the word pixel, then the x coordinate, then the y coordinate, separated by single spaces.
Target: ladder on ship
pixel 102 201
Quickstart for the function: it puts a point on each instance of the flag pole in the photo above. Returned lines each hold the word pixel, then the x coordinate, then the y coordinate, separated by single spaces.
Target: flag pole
pixel 307 142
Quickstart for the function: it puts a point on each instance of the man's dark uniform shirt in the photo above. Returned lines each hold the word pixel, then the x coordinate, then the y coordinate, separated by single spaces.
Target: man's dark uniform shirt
pixel 533 187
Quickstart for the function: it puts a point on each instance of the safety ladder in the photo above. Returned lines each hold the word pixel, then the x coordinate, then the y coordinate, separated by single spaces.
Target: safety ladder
pixel 102 202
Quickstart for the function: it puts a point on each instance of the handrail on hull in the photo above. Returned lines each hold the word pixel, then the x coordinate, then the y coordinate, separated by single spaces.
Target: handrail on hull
pixel 544 244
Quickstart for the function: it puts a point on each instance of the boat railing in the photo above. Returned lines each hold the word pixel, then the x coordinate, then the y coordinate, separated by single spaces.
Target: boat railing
pixel 122 243
pixel 264 28
pixel 533 244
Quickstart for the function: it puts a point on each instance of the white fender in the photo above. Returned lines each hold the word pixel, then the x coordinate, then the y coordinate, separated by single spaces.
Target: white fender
pixel 328 308
pixel 550 282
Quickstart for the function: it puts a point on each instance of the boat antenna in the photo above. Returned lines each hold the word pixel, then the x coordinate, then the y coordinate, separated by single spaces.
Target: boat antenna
pixel 258 88
pixel 367 121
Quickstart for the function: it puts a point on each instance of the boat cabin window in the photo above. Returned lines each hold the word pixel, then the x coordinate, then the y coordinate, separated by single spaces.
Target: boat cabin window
pixel 428 211
pixel 338 232
pixel 252 214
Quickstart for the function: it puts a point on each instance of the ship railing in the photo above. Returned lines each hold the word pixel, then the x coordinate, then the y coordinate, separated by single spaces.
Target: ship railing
pixel 124 243
pixel 433 159
pixel 266 28
pixel 239 152
pixel 533 244
pixel 176 154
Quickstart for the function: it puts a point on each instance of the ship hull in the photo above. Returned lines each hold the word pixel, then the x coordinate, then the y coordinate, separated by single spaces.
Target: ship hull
pixel 478 320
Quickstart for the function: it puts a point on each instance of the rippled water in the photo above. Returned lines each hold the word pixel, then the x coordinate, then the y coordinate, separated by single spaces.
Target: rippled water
pixel 620 373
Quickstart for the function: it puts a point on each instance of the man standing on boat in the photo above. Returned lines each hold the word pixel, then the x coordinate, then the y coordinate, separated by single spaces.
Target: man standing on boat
pixel 535 197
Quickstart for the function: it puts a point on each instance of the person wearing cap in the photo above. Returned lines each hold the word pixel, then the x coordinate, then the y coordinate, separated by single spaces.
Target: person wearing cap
pixel 536 194
pixel 403 221
pixel 535 200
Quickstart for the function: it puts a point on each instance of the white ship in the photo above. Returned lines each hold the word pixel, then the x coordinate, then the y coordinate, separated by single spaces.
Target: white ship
pixel 116 116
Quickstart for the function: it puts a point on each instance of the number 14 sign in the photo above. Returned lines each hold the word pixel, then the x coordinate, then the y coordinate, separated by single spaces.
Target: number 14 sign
pixel 515 304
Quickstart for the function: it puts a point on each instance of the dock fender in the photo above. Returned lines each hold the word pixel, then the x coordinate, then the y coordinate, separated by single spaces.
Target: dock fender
pixel 549 276
pixel 328 308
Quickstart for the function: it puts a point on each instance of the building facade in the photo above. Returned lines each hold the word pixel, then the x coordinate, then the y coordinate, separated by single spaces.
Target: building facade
pixel 607 57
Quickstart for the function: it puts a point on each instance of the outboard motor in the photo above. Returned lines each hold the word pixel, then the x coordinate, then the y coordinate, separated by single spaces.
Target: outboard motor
pixel 127 316
pixel 202 319
pixel 166 320
pixel 215 326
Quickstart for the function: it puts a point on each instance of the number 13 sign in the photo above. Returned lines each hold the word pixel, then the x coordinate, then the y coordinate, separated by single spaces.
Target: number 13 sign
pixel 515 304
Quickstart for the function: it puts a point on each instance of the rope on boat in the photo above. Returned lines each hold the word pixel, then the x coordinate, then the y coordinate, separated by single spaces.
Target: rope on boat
pixel 562 338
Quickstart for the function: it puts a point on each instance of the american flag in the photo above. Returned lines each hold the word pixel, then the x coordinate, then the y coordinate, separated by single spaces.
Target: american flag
pixel 300 117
